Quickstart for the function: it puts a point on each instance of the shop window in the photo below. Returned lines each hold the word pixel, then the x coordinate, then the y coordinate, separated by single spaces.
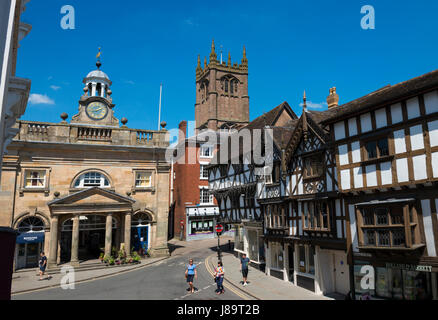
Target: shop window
pixel 306 259
pixel 276 256
pixel 377 148
pixel 35 179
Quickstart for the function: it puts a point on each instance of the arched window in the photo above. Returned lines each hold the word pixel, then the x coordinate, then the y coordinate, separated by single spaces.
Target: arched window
pixel 92 179
pixel 226 85
pixel 98 90
pixel 31 224
pixel 141 219
pixel 232 86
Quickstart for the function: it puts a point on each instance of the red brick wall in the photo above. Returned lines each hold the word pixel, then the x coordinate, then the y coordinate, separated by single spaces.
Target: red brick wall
pixel 186 184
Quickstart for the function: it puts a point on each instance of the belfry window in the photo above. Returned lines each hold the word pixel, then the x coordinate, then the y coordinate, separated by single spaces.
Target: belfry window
pixel 98 90
pixel 226 85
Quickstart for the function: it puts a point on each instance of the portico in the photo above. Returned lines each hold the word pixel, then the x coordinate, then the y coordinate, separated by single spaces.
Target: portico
pixel 89 209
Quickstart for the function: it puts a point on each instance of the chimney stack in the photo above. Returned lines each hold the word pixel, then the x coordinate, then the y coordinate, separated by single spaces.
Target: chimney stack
pixel 333 98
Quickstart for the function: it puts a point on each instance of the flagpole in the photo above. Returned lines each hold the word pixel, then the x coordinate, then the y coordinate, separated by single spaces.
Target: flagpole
pixel 159 108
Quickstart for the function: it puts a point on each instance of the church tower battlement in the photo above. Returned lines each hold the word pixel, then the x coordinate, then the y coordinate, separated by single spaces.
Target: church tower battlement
pixel 222 100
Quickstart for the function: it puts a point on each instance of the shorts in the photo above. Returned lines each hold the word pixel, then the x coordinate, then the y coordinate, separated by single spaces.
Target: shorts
pixel 190 277
pixel 43 269
pixel 245 273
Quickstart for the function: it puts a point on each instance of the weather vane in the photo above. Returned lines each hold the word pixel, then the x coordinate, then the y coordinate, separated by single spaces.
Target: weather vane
pixel 98 64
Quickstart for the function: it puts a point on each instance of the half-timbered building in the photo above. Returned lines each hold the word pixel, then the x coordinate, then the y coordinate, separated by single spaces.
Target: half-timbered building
pixel 304 221
pixel 386 147
pixel 236 185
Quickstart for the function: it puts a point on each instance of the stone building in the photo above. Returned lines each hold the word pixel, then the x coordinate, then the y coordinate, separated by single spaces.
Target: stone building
pixel 76 189
pixel 222 100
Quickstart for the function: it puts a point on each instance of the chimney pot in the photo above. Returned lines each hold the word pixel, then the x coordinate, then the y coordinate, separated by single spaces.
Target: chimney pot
pixel 333 98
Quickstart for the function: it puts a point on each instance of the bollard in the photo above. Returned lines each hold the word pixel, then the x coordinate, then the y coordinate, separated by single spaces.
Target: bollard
pixel 7 239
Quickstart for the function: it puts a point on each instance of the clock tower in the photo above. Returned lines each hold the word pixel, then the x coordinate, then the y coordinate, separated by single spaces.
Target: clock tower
pixel 95 105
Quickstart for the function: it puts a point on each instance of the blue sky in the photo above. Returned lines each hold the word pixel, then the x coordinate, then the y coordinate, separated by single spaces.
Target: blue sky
pixel 292 46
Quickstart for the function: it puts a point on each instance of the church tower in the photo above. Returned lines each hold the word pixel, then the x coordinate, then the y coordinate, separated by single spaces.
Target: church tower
pixel 95 105
pixel 222 100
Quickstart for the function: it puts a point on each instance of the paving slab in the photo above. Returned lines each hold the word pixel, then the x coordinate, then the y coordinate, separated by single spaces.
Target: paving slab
pixel 262 286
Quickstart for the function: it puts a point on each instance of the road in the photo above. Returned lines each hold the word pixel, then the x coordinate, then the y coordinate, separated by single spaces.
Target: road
pixel 162 281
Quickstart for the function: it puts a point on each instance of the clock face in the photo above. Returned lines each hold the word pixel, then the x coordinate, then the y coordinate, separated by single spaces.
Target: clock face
pixel 97 110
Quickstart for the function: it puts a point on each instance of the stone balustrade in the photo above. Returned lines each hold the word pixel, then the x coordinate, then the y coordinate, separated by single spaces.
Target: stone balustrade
pixel 83 134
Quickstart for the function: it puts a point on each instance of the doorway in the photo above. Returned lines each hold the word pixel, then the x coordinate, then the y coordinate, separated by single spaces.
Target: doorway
pixel 291 252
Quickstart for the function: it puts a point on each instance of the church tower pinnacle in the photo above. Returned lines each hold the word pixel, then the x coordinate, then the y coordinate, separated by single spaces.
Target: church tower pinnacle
pixel 222 100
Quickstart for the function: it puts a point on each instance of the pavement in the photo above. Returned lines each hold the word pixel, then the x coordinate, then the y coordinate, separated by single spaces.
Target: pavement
pixel 261 286
pixel 160 280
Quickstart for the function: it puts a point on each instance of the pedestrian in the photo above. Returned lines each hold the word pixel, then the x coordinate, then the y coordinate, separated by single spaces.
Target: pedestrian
pixel 42 264
pixel 191 273
pixel 244 262
pixel 219 277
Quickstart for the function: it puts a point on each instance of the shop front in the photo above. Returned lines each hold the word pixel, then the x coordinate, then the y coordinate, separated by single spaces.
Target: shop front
pixel 201 221
pixel 29 243
pixel 395 281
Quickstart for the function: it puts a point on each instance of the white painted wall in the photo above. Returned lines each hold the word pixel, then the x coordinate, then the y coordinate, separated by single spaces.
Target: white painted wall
pixel 345 179
pixel 428 227
pixel 339 130
pixel 431 102
pixel 413 108
pixel 386 173
pixel 371 175
pixel 381 120
pixel 435 164
pixel 433 133
pixel 402 170
pixel 420 171
pixel 399 141
pixel 396 113
pixel 365 122
pixel 417 140
pixel 355 151
pixel 358 177
pixel 352 127
pixel 355 243
pixel 343 154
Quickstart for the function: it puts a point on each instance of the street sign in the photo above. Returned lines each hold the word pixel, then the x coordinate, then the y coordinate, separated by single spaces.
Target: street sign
pixel 219 228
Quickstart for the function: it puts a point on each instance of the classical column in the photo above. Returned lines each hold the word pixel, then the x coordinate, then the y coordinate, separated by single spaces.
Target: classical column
pixel 128 233
pixel 108 235
pixel 74 259
pixel 53 242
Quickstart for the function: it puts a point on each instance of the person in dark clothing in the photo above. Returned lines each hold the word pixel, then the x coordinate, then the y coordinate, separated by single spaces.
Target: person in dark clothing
pixel 244 262
pixel 42 264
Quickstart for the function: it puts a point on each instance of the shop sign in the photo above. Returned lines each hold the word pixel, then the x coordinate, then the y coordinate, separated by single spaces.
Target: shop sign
pixel 409 267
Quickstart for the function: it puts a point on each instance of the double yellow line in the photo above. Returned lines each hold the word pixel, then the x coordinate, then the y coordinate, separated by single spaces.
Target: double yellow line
pixel 235 291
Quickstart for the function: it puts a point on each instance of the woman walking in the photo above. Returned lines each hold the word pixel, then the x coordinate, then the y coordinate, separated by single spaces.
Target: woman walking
pixel 190 274
pixel 219 278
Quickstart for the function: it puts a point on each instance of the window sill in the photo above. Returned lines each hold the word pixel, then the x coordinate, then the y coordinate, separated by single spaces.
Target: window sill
pixel 316 230
pixel 44 190
pixel 147 189
pixel 414 247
